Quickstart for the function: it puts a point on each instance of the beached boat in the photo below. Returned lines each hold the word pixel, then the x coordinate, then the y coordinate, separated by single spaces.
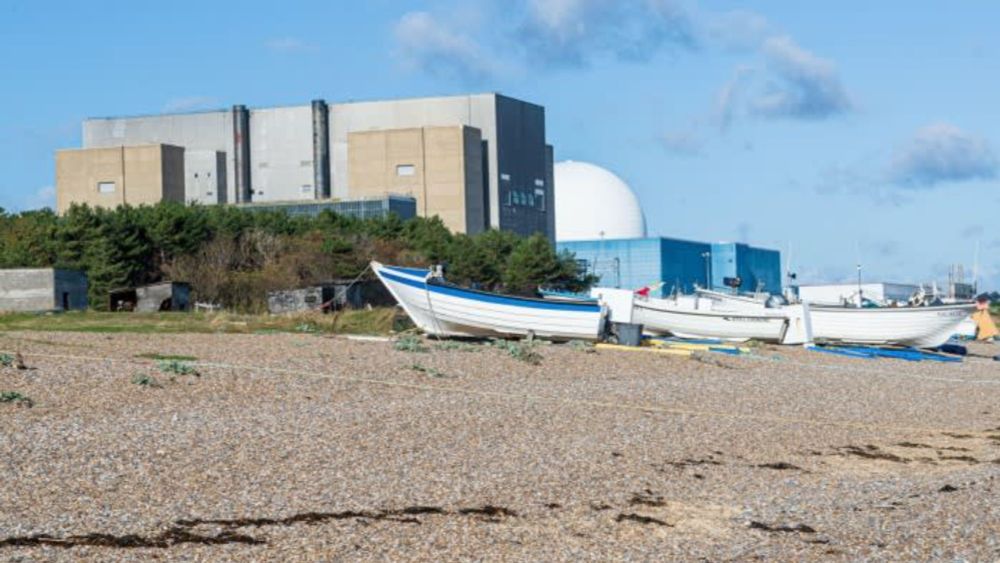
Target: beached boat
pixel 683 317
pixel 925 326
pixel 920 327
pixel 696 316
pixel 442 309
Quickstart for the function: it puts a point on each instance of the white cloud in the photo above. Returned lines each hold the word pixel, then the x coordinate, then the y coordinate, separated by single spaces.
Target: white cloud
pixel 189 103
pixel 736 30
pixel 806 86
pixel 289 45
pixel 426 44
pixel 573 32
pixel 940 153
pixel 727 100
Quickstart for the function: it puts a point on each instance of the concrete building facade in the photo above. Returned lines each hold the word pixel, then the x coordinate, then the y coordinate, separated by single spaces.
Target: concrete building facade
pixel 440 167
pixel 109 177
pixel 42 290
pixel 300 153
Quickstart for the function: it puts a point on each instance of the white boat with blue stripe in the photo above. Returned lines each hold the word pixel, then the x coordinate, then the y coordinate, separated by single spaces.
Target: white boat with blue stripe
pixel 441 309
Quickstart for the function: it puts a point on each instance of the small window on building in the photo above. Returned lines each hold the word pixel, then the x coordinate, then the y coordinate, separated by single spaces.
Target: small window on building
pixel 305 163
pixel 531 200
pixel 307 189
pixel 106 187
pixel 405 170
pixel 540 199
pixel 510 197
pixel 539 183
pixel 262 165
pixel 209 193
pixel 505 177
pixel 195 174
pixel 208 174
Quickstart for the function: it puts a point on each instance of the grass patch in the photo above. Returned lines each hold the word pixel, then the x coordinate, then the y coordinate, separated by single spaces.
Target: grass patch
pixel 6 360
pixel 410 343
pixel 582 346
pixel 375 321
pixel 453 345
pixel 175 367
pixel 146 380
pixel 13 397
pixel 167 357
pixel 520 350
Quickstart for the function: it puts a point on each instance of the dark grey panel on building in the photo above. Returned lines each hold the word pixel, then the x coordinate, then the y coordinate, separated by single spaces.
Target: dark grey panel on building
pixel 41 290
pixel 402 206
pixel 522 158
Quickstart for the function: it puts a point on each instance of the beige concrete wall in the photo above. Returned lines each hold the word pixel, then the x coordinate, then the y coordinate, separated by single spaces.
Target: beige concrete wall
pixel 142 175
pixel 443 182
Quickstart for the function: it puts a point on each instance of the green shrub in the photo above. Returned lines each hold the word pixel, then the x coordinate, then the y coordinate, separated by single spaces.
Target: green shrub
pixel 456 346
pixel 6 360
pixel 146 380
pixel 16 398
pixel 410 343
pixel 177 368
pixel 523 350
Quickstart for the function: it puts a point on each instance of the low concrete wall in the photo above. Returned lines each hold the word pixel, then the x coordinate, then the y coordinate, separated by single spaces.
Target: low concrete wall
pixel 296 300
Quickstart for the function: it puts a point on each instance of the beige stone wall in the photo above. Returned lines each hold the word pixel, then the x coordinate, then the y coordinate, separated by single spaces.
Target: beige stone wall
pixel 431 164
pixel 142 175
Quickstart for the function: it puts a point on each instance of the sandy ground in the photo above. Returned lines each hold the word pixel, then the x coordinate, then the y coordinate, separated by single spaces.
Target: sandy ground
pixel 302 447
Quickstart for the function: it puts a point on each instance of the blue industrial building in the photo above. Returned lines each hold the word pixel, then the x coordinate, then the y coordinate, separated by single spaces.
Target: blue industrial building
pixel 680 264
pixel 759 269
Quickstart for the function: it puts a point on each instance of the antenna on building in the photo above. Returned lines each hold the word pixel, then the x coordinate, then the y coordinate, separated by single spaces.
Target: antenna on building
pixel 975 270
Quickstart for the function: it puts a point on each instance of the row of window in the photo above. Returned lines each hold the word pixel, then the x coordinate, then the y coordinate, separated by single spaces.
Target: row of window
pixel 518 198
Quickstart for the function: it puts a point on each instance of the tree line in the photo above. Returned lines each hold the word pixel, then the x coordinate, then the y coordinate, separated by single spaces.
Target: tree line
pixel 232 257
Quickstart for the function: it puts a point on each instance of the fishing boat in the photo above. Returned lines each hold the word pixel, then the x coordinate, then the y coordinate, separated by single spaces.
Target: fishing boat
pixel 696 316
pixel 926 326
pixel 443 309
pixel 685 319
pixel 921 327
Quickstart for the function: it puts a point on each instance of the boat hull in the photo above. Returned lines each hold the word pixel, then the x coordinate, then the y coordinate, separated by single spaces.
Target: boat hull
pixel 664 316
pixel 920 327
pixel 444 310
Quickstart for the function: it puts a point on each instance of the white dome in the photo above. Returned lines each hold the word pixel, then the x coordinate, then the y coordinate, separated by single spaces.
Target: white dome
pixel 592 203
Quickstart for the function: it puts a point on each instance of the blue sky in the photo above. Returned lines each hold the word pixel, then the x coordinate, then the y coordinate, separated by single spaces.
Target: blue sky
pixel 838 130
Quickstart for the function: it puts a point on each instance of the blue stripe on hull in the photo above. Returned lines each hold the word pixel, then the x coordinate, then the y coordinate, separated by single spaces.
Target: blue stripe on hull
pixel 494 298
pixel 411 271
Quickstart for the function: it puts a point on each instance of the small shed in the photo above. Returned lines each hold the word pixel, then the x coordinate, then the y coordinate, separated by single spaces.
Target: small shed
pixel 163 296
pixel 331 296
pixel 34 290
pixel 350 294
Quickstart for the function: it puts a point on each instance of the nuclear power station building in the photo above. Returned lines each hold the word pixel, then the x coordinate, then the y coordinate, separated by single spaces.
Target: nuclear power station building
pixel 477 161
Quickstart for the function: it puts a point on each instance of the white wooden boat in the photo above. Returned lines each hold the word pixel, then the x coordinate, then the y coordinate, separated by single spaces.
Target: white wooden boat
pixel 684 318
pixel 696 316
pixel 920 327
pixel 441 309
